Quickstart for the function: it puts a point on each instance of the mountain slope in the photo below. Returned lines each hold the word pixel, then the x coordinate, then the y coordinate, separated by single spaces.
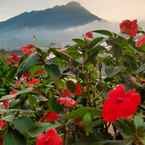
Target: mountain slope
pixel 59 17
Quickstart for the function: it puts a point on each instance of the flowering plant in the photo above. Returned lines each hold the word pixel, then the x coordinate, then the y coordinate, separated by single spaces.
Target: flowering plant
pixel 89 93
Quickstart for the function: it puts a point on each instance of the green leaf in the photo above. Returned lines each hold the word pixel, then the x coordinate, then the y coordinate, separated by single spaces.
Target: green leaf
pixel 87 121
pixel 92 53
pixel 14 138
pixel 80 42
pixel 41 127
pixel 126 129
pixel 28 63
pixel 53 71
pixel 23 125
pixel 138 121
pixel 8 118
pixel 105 32
pixel 62 55
pixel 125 45
pixel 95 41
pixel 80 112
pixel 54 105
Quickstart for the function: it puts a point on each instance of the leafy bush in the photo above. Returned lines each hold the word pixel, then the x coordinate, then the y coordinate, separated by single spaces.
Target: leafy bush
pixel 89 93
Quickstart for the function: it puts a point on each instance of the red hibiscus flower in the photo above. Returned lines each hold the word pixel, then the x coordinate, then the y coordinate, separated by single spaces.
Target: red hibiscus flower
pixel 88 36
pixel 3 123
pixel 33 81
pixel 51 137
pixel 25 76
pixel 13 58
pixel 50 117
pixel 6 104
pixel 120 104
pixel 140 41
pixel 78 89
pixel 66 93
pixel 28 49
pixel 67 102
pixel 129 27
pixel 13 93
pixel 40 72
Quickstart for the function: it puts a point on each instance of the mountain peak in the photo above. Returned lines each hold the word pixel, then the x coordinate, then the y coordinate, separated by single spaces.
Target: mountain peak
pixel 73 4
pixel 59 17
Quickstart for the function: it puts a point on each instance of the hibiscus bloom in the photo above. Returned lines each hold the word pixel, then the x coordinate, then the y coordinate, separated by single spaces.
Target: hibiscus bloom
pixel 13 58
pixel 13 93
pixel 66 93
pixel 67 102
pixel 6 104
pixel 28 49
pixel 51 137
pixel 33 81
pixel 129 27
pixel 25 76
pixel 120 104
pixel 3 123
pixel 140 41
pixel 88 36
pixel 50 117
pixel 40 72
pixel 78 89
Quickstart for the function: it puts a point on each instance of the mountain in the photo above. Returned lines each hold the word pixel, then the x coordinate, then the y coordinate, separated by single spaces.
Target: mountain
pixel 58 17
pixel 57 25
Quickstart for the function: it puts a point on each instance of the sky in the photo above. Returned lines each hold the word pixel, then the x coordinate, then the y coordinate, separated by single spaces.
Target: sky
pixel 113 10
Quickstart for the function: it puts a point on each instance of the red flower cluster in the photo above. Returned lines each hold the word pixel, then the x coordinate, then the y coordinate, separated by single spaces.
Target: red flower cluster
pixel 6 104
pixel 50 137
pixel 67 102
pixel 88 36
pixel 140 42
pixel 28 49
pixel 13 59
pixel 66 94
pixel 129 27
pixel 120 104
pixel 40 72
pixel 33 81
pixel 3 123
pixel 50 117
pixel 78 89
pixel 25 76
